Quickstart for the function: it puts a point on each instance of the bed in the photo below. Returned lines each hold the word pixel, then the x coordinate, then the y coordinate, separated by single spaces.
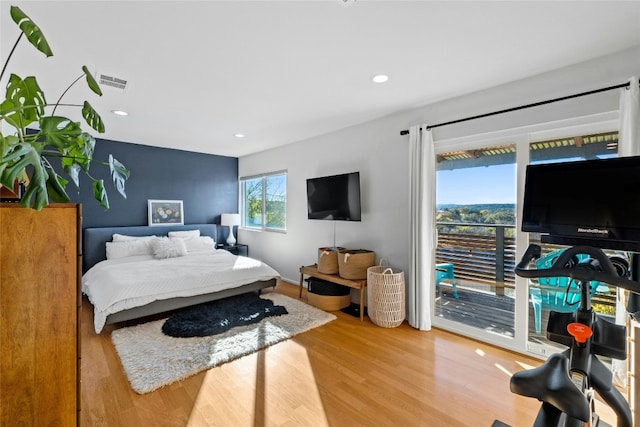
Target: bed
pixel 132 283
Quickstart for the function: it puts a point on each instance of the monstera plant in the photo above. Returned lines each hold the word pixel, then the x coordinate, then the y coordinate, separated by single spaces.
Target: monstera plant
pixel 32 135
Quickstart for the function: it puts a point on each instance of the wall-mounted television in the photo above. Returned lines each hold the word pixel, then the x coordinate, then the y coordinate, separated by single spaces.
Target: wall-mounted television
pixel 335 197
pixel 591 202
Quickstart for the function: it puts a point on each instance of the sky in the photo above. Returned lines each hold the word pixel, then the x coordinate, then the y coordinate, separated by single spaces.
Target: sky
pixel 485 184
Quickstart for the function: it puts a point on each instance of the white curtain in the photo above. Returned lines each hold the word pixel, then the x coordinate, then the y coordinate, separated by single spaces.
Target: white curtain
pixel 628 145
pixel 422 232
pixel 629 133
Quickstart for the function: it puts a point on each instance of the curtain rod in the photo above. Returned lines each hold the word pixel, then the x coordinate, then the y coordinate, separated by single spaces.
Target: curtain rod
pixel 522 107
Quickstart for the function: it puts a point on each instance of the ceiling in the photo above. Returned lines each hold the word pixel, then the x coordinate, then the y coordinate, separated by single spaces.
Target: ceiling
pixel 279 72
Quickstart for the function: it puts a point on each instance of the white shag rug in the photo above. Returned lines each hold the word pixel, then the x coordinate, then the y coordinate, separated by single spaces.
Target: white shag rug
pixel 152 360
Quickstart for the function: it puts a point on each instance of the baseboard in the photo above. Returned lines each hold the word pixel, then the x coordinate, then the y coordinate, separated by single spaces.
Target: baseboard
pixel 293 282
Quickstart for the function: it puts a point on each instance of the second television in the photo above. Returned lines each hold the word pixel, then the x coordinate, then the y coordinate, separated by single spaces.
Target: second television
pixel 335 197
pixel 589 202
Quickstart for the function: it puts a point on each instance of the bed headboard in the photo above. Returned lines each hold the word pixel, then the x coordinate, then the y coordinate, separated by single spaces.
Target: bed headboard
pixel 94 238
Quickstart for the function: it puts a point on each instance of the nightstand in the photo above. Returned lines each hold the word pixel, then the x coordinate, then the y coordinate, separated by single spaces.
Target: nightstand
pixel 237 249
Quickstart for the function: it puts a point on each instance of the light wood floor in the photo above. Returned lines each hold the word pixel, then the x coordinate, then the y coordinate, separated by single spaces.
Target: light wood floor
pixel 345 373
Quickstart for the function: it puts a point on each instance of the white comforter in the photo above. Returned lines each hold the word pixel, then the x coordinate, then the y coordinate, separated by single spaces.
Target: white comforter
pixel 124 283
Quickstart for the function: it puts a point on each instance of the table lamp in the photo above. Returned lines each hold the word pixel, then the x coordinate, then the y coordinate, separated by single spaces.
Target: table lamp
pixel 229 220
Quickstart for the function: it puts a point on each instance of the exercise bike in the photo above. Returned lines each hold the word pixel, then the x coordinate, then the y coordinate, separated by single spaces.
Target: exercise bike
pixel 565 383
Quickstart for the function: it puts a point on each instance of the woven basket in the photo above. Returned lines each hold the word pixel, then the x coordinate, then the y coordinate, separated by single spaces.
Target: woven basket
pixel 329 302
pixel 328 260
pixel 385 296
pixel 353 263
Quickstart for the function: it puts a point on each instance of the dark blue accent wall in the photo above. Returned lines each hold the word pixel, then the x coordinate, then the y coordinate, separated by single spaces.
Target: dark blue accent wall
pixel 207 184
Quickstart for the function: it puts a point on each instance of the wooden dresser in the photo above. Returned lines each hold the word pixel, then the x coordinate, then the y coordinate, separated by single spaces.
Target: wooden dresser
pixel 40 300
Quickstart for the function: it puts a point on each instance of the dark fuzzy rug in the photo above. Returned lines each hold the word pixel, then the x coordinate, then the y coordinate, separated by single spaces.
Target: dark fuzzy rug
pixel 219 316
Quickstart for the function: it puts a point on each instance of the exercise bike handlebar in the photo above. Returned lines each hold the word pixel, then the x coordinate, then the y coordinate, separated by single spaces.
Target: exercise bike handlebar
pixel 577 272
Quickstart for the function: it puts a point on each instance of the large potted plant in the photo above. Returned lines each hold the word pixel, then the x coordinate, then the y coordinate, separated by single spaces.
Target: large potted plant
pixel 32 135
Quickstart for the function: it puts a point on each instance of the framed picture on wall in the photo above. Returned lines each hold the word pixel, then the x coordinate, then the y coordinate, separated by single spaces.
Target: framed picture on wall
pixel 165 212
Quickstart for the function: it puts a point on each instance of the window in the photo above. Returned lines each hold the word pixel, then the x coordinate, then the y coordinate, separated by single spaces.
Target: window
pixel 264 201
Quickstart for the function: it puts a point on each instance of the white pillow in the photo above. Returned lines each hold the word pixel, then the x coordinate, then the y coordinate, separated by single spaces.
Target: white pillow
pixel 198 244
pixel 129 248
pixel 168 247
pixel 125 238
pixel 185 234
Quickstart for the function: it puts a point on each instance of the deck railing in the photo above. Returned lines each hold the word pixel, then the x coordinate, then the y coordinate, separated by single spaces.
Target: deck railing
pixel 486 253
pixel 482 253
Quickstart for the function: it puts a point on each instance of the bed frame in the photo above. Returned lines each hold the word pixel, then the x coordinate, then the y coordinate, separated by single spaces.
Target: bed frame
pixel 94 251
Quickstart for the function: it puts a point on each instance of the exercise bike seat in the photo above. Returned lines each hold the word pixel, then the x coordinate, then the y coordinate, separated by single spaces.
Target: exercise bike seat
pixel 551 383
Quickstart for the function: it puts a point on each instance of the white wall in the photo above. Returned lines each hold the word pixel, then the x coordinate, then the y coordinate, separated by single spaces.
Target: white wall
pixel 380 154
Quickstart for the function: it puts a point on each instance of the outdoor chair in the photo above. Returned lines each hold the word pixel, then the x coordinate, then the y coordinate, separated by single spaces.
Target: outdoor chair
pixel 445 271
pixel 556 293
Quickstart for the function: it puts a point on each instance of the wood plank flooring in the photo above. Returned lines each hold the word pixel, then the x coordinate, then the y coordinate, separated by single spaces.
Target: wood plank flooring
pixel 345 373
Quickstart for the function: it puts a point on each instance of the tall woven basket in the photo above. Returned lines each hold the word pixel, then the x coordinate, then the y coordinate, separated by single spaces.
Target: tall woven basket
pixel 385 298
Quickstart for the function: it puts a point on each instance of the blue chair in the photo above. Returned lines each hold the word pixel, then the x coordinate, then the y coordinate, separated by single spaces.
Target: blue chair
pixel 445 271
pixel 556 293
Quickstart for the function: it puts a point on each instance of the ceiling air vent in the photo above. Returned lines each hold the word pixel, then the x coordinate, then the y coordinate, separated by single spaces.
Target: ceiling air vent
pixel 111 82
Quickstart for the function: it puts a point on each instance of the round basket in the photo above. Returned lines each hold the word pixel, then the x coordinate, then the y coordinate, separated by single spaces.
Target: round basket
pixel 385 296
pixel 329 302
pixel 328 260
pixel 353 263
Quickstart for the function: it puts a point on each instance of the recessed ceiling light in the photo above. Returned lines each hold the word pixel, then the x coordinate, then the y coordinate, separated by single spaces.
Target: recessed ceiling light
pixel 239 135
pixel 119 113
pixel 380 78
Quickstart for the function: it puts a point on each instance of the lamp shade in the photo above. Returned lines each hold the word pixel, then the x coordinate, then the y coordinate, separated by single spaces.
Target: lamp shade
pixel 230 219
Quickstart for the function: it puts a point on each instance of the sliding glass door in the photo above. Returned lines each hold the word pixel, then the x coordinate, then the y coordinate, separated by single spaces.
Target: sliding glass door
pixel 479 192
pixel 559 294
pixel 476 219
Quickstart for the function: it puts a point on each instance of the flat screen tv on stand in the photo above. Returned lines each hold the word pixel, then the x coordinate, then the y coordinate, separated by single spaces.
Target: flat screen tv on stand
pixel 591 202
pixel 335 197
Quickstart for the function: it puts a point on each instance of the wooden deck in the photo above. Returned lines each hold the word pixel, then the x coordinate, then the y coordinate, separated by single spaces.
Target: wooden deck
pixel 480 308
pixel 490 312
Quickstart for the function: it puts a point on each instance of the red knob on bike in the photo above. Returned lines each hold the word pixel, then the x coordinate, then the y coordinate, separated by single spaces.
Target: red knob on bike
pixel 579 331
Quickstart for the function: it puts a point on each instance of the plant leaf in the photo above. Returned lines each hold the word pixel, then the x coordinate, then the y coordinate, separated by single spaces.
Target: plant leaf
pixel 75 147
pixel 92 118
pixel 78 156
pixel 31 30
pixel 24 102
pixel 14 162
pixel 100 193
pixel 6 109
pixel 119 173
pixel 56 187
pixel 91 82
pixel 88 147
pixel 73 170
pixel 61 133
pixel 6 145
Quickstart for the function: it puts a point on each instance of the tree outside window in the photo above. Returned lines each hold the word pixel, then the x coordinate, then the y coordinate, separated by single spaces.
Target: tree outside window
pixel 264 201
